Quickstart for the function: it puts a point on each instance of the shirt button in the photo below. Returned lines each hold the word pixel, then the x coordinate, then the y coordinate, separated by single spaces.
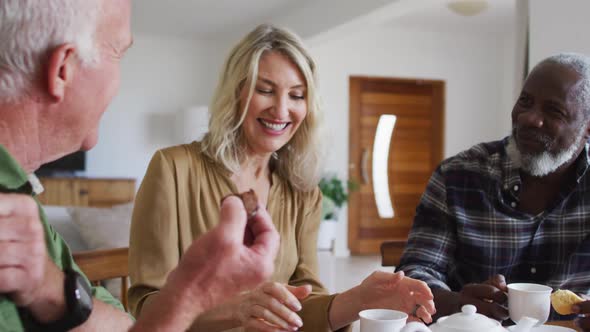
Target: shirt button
pixel 515 187
pixel 513 204
pixel 533 270
pixel 505 187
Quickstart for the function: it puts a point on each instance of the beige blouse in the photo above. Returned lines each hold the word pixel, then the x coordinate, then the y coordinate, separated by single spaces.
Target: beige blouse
pixel 179 200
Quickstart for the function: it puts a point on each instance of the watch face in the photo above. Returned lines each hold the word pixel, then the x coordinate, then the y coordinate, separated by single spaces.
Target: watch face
pixel 83 297
pixel 83 292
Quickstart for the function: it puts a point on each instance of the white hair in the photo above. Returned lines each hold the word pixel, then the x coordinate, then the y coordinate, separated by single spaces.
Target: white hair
pixel 29 29
pixel 580 64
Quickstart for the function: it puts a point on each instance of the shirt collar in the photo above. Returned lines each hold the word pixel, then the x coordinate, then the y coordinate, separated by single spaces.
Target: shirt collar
pixel 13 178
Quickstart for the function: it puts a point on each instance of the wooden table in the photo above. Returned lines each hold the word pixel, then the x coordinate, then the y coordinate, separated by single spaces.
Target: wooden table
pixel 564 323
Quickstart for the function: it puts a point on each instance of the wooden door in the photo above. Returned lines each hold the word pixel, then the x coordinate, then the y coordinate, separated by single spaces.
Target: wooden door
pixel 415 150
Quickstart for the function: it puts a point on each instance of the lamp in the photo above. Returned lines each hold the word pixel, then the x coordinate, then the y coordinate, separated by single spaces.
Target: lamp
pixel 468 7
pixel 191 123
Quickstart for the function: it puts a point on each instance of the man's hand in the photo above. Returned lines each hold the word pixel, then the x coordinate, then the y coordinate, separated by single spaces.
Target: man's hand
pixel 489 297
pixel 236 255
pixel 583 309
pixel 223 262
pixel 27 274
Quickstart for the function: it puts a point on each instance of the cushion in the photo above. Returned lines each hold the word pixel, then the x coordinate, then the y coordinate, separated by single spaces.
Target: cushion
pixel 59 218
pixel 104 228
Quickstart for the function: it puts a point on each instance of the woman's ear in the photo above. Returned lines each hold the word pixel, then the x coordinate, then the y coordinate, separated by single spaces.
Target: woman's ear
pixel 60 70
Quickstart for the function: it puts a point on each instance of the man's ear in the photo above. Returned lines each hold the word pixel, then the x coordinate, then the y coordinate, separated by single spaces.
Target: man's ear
pixel 60 70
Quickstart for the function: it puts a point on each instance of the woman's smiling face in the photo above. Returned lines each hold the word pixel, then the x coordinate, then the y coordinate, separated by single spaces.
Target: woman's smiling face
pixel 278 105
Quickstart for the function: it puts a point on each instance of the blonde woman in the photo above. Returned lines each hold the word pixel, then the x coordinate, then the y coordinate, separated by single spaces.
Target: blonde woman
pixel 263 135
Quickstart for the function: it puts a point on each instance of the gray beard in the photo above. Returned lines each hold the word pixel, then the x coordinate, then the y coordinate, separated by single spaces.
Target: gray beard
pixel 542 163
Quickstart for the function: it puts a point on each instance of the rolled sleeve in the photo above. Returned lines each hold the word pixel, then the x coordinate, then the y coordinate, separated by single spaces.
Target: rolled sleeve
pixel 431 242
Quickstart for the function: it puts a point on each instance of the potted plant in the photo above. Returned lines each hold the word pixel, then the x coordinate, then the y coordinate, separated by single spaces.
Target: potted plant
pixel 335 194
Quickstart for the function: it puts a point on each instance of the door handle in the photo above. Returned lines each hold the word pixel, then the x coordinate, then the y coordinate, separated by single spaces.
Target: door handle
pixel 364 171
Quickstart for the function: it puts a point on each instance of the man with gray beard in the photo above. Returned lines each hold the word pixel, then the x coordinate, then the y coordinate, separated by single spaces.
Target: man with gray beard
pixel 515 210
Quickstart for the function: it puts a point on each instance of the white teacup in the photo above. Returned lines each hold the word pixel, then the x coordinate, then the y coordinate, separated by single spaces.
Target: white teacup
pixel 532 300
pixel 382 320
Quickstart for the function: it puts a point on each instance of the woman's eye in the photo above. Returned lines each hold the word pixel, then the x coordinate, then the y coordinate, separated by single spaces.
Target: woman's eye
pixel 298 97
pixel 264 91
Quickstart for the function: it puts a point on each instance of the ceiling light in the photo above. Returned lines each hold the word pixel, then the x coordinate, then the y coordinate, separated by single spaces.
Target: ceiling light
pixel 468 7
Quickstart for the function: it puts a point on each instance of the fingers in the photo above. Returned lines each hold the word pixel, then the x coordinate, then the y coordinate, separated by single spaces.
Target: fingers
pixel 423 297
pixel 488 299
pixel 12 278
pixel 385 279
pixel 425 312
pixel 395 291
pixel 268 316
pixel 419 288
pixel 19 254
pixel 485 292
pixel 300 292
pixel 276 305
pixel 583 323
pixel 266 238
pixel 18 204
pixel 490 309
pixel 232 218
pixel 498 281
pixel 282 294
pixel 581 308
pixel 19 218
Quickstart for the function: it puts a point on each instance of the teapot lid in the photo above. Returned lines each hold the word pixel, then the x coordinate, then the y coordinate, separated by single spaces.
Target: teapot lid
pixel 468 318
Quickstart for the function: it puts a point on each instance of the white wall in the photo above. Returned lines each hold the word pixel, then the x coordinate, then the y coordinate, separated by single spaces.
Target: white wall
pixel 471 64
pixel 558 26
pixel 159 77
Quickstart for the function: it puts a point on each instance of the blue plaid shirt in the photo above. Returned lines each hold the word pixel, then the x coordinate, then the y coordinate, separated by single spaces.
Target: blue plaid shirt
pixel 468 226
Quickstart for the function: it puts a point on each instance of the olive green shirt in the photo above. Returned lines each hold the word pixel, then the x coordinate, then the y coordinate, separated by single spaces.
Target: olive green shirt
pixel 13 179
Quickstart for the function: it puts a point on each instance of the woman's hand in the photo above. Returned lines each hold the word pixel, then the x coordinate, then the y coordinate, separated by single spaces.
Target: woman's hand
pixel 395 291
pixel 272 306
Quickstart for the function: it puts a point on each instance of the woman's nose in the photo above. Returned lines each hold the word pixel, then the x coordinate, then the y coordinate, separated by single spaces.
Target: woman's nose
pixel 281 107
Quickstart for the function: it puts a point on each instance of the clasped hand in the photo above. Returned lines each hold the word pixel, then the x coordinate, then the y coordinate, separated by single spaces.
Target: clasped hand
pixel 27 274
pixel 489 297
pixel 271 306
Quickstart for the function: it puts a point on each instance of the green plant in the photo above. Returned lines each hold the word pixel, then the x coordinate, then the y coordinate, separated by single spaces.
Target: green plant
pixel 335 195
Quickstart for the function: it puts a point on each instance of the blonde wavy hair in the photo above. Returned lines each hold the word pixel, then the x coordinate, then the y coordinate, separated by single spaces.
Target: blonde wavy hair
pixel 298 162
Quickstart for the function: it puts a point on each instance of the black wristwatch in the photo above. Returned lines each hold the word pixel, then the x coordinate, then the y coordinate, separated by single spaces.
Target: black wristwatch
pixel 78 303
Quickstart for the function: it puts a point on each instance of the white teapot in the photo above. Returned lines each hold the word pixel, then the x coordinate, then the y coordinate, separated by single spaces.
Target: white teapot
pixel 464 321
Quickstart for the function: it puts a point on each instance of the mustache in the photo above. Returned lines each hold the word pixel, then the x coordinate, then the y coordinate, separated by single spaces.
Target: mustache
pixel 532 134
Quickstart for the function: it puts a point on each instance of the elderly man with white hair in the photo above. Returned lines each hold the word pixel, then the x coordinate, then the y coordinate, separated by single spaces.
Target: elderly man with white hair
pixel 59 70
pixel 515 210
